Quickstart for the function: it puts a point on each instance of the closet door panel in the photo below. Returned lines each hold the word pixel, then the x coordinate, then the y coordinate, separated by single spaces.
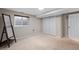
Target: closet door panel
pixel 73 24
pixel 49 26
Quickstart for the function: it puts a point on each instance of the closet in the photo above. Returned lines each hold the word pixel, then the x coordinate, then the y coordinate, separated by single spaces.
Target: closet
pixel 73 25
pixel 52 25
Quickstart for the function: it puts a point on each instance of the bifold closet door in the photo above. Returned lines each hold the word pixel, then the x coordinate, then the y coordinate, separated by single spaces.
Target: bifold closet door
pixel 49 26
pixel 52 25
pixel 73 26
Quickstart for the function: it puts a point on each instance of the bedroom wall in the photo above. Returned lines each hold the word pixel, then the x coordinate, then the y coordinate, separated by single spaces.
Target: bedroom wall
pixel 20 32
pixel 65 26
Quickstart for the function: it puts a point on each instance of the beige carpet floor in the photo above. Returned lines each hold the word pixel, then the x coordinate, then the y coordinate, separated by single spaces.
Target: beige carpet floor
pixel 44 42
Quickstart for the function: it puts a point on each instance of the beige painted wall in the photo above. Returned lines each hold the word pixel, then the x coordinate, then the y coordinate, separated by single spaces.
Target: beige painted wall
pixel 34 23
pixel 65 26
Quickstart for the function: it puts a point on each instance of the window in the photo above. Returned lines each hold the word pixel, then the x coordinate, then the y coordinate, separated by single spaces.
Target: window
pixel 21 21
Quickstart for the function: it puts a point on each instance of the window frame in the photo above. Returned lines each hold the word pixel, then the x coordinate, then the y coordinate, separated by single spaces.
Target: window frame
pixel 20 25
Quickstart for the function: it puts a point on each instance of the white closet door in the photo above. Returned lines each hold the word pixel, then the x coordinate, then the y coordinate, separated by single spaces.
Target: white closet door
pixel 73 24
pixel 45 26
pixel 52 26
pixel 49 26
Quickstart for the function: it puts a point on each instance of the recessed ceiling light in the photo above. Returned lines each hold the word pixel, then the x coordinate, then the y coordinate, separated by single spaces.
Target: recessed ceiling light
pixel 41 9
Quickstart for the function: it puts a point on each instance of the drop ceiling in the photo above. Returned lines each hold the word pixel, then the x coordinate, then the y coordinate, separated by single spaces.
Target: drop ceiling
pixel 45 12
pixel 33 11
